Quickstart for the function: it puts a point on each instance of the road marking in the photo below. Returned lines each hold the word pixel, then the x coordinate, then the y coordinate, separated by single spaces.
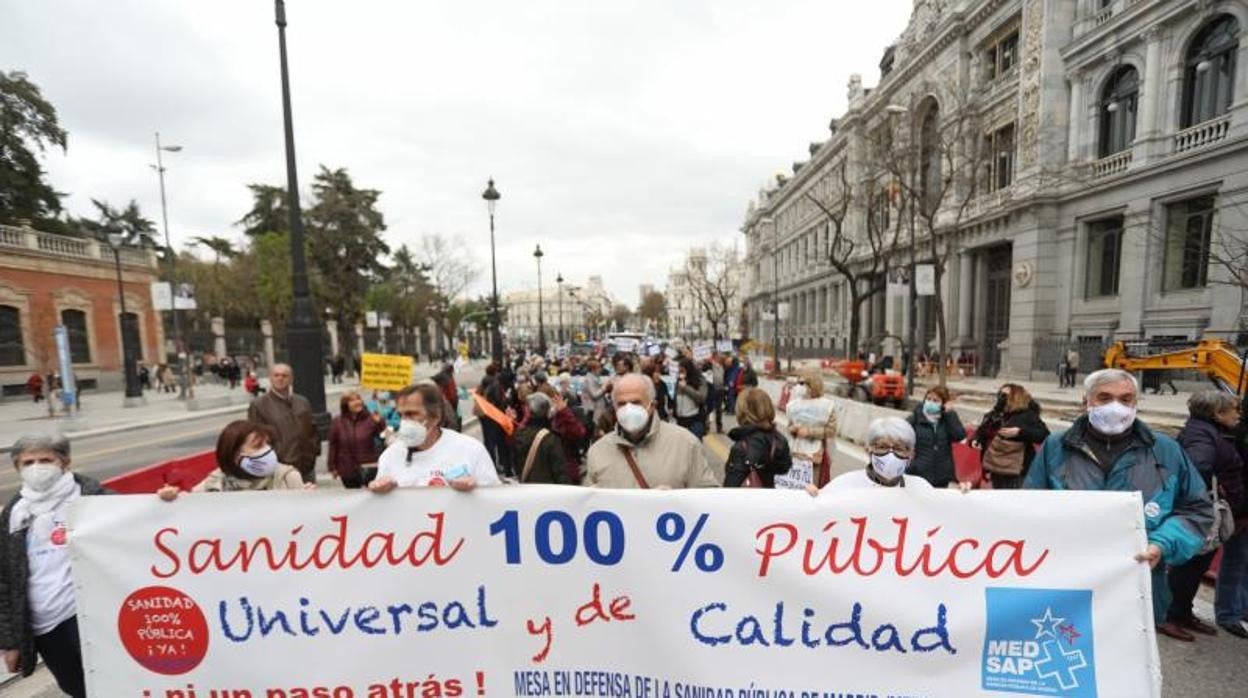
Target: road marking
pixel 715 442
pixel 9 476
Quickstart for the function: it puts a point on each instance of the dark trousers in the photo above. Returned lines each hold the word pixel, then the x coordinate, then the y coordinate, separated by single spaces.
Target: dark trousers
pixel 697 425
pixel 716 397
pixel 1007 482
pixel 360 478
pixel 62 654
pixel 496 444
pixel 1184 581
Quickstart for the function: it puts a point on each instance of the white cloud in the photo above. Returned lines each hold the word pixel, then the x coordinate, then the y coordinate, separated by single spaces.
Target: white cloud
pixel 620 134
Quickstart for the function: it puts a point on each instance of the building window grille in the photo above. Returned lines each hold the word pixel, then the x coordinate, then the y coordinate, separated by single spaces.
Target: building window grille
pixel 1000 167
pixel 1002 56
pixel 1104 257
pixel 1189 230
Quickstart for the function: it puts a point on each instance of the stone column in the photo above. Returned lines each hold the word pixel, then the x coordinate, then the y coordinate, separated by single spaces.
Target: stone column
pixel 218 334
pixel 1077 116
pixel 1149 126
pixel 1239 108
pixel 359 339
pixel 266 329
pixel 331 326
pixel 966 298
pixel 979 320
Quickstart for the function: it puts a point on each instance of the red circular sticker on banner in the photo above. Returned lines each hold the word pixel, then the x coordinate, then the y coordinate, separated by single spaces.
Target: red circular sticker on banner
pixel 163 629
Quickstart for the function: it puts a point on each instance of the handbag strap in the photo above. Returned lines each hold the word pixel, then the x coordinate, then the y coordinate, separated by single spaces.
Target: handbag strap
pixel 632 465
pixel 529 459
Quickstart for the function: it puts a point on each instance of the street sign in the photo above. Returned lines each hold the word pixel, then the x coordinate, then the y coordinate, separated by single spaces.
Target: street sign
pixel 783 310
pixel 925 279
pixel 370 318
pixel 162 297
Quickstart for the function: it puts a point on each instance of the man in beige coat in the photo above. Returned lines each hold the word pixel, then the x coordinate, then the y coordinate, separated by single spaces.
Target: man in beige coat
pixel 645 452
pixel 290 416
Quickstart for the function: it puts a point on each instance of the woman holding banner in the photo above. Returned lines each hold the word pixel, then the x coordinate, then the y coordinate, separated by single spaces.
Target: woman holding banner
pixel 38 615
pixel 890 446
pixel 812 429
pixel 246 462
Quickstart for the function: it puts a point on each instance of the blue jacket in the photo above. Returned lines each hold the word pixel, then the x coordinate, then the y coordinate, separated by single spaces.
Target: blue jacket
pixel 1177 507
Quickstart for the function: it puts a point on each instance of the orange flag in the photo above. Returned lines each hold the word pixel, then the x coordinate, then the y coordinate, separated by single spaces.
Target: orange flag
pixel 489 410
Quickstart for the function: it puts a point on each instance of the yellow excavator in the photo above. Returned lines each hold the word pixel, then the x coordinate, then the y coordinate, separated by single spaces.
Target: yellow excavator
pixel 1215 358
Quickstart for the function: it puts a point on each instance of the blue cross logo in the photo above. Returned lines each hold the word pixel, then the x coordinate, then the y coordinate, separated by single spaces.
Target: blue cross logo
pixel 1067 663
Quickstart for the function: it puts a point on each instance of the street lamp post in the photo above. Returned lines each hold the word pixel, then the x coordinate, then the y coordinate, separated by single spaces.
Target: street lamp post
pixel 895 110
pixel 178 347
pixel 491 197
pixel 303 330
pixel 541 326
pixel 125 323
pixel 559 293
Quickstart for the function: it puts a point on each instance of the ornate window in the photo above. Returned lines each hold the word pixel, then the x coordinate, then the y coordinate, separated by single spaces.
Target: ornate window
pixel 1104 257
pixel 999 146
pixel 1002 56
pixel 1119 103
pixel 1209 74
pixel 1189 230
pixel 75 322
pixel 12 350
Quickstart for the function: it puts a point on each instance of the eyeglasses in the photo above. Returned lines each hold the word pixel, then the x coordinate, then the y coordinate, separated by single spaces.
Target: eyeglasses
pixel 899 451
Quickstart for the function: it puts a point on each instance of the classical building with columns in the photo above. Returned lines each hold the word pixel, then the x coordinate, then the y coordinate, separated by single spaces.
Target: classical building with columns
pixel 48 280
pixel 581 309
pixel 1094 159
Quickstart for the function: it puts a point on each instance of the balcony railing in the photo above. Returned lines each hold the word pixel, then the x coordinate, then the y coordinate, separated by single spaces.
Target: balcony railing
pixel 1111 165
pixel 1202 134
pixel 1103 16
pixel 13 237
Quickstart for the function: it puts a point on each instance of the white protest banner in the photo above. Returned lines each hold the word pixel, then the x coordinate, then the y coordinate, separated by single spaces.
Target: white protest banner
pixel 724 346
pixel 801 473
pixel 702 351
pixel 547 590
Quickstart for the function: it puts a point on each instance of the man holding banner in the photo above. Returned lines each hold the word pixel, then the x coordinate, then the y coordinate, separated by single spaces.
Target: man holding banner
pixel 1108 448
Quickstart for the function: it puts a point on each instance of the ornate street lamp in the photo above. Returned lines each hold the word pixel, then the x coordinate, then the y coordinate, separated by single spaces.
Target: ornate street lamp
pixel 178 347
pixel 541 327
pixel 303 330
pixel 559 293
pixel 491 197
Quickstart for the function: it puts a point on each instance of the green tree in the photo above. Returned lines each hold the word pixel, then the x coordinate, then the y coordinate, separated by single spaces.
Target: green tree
pixel 345 245
pixel 220 247
pixel 128 222
pixel 28 126
pixel 653 308
pixel 405 293
pixel 269 211
pixel 272 281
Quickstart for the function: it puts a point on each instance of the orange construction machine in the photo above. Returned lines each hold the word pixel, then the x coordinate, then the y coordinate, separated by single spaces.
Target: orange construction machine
pixel 1213 357
pixel 877 386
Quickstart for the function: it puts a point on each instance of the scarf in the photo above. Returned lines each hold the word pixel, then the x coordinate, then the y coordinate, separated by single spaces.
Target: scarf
pixel 34 504
pixel 229 483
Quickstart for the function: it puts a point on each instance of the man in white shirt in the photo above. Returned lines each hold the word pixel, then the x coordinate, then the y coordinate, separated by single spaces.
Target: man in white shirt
pixel 425 455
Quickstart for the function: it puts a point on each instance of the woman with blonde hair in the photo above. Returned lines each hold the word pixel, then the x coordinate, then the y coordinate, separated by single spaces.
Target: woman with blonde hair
pixel 812 427
pixel 1008 435
pixel 758 452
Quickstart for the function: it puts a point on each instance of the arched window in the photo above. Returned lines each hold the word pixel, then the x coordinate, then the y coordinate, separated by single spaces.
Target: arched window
pixel 12 351
pixel 75 322
pixel 1209 75
pixel 929 155
pixel 1119 101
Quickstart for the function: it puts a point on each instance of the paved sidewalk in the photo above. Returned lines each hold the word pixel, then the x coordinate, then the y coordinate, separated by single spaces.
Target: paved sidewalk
pixel 102 413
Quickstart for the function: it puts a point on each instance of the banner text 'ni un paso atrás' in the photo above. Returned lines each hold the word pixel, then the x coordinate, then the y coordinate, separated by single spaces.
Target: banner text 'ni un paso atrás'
pixel 540 591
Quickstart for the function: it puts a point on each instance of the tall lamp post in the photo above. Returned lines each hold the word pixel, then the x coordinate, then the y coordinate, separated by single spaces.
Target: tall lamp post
pixel 559 293
pixel 895 110
pixel 541 326
pixel 178 348
pixel 126 323
pixel 303 330
pixel 491 197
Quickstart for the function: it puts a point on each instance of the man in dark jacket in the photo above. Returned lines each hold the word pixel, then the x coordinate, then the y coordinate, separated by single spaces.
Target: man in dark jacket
pixel 936 428
pixel 539 449
pixel 38 614
pixel 1108 449
pixel 290 417
pixel 1208 438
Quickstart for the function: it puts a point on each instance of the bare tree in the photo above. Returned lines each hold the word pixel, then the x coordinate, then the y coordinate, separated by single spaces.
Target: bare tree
pixel 450 269
pixel 714 285
pixel 862 260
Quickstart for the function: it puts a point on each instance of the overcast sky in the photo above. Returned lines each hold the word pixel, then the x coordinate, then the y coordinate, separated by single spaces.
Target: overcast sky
pixel 620 133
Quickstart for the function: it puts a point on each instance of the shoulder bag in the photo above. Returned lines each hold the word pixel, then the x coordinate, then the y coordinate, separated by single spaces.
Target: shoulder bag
pixel 1004 457
pixel 632 465
pixel 532 456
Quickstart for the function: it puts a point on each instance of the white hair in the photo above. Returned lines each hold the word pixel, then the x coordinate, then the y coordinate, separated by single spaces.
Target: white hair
pixel 893 429
pixel 539 405
pixel 1096 379
pixel 28 443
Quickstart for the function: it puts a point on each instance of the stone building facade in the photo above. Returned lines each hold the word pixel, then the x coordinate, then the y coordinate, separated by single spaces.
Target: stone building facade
pixel 48 280
pixel 581 309
pixel 1096 185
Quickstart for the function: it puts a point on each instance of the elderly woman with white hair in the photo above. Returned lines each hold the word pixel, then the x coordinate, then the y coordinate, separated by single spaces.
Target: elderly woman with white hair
pixel 890 446
pixel 38 615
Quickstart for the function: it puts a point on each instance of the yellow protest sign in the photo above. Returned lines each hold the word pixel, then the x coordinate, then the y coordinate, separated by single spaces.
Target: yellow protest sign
pixel 385 371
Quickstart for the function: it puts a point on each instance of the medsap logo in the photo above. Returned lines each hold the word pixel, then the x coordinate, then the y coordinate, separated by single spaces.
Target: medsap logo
pixel 1039 641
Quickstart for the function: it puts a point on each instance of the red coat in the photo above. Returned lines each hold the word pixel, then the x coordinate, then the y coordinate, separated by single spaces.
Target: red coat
pixel 353 442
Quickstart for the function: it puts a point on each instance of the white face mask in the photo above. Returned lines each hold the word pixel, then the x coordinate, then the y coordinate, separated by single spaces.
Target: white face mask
pixel 41 475
pixel 632 418
pixel 1112 418
pixel 412 433
pixel 261 465
pixel 798 392
pixel 889 466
